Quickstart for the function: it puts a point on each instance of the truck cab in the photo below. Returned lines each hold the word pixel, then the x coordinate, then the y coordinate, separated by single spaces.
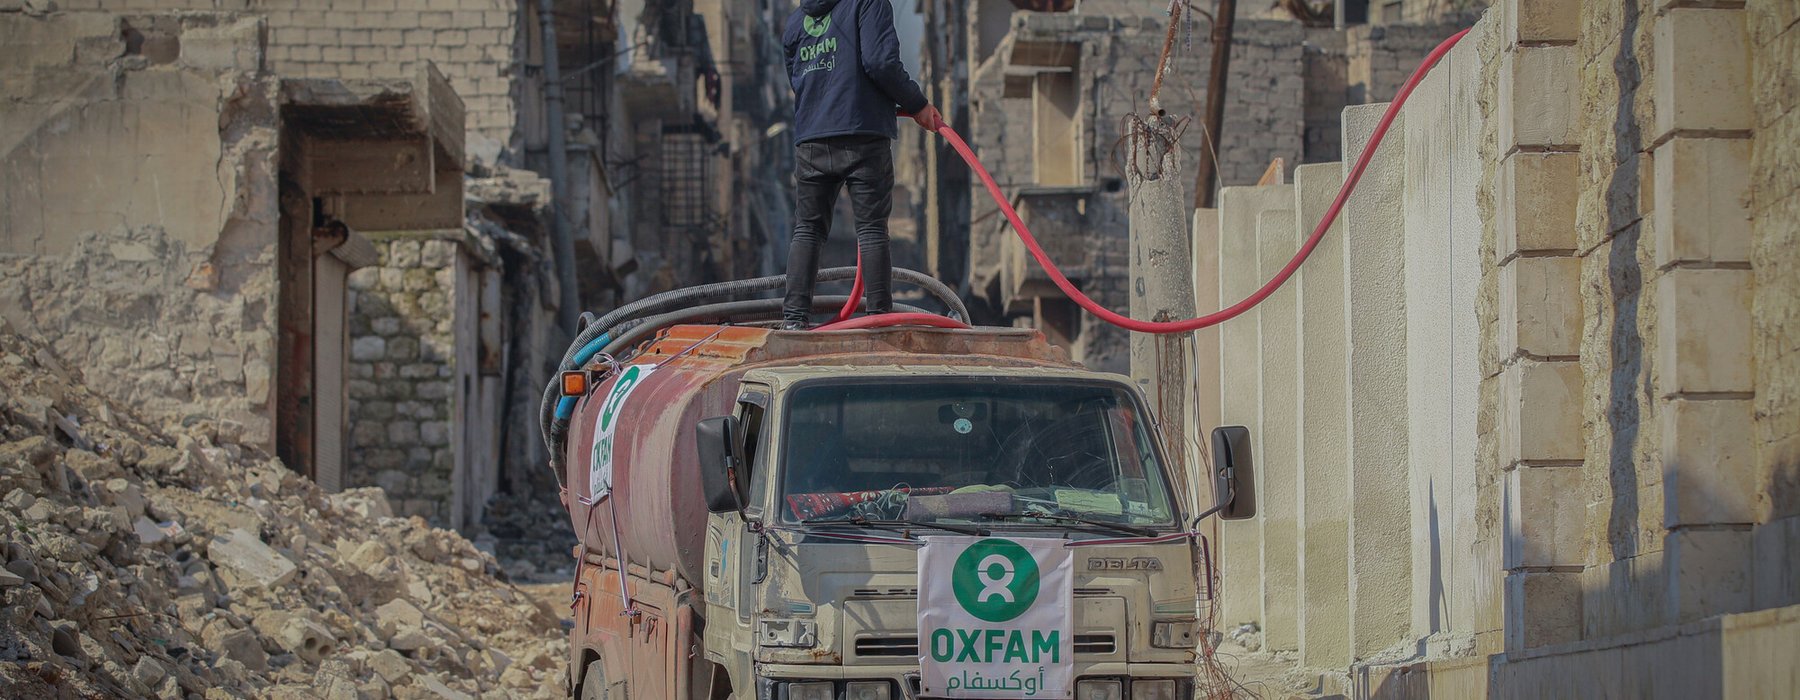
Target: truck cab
pixel 879 514
pixel 830 479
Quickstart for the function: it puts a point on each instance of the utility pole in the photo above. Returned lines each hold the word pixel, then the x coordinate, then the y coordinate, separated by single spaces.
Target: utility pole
pixel 568 307
pixel 1162 290
pixel 1206 176
pixel 1161 281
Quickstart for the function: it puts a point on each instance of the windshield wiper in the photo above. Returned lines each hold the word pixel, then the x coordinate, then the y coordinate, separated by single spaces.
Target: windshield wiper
pixel 1062 518
pixel 899 526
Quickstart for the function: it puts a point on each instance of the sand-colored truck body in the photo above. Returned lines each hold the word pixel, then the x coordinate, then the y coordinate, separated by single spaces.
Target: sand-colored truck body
pixel 675 601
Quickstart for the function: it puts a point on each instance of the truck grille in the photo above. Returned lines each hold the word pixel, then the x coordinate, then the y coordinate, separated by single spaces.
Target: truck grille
pixel 887 646
pixel 1098 644
pixel 884 593
pixel 1095 644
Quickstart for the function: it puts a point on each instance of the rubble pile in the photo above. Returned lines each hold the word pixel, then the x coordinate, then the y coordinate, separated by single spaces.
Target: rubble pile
pixel 144 561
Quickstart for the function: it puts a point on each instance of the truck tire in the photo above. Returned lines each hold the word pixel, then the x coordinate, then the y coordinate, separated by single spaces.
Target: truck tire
pixel 593 681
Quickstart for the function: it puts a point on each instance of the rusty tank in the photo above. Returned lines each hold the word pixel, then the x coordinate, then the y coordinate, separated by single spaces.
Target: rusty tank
pixel 690 372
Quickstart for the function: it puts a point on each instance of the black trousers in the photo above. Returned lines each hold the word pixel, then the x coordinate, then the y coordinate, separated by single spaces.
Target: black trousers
pixel 865 166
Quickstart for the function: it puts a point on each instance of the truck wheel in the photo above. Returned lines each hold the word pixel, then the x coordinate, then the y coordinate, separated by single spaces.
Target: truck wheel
pixel 593 682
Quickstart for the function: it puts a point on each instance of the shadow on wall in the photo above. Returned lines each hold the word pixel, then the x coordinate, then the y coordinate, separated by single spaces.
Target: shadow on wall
pixel 1630 373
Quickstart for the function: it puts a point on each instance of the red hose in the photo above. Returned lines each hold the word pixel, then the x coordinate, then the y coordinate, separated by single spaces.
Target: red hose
pixel 1216 317
pixel 886 320
pixel 856 290
pixel 1227 313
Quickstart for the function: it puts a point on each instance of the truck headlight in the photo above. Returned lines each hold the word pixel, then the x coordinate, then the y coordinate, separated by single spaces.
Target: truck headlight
pixel 810 691
pixel 1172 634
pixel 1099 690
pixel 787 633
pixel 1153 690
pixel 868 690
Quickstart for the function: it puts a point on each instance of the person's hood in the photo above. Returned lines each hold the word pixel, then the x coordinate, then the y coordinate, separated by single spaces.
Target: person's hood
pixel 817 8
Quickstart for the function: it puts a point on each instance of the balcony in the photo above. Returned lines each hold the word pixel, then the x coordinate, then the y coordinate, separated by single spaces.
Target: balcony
pixel 1058 217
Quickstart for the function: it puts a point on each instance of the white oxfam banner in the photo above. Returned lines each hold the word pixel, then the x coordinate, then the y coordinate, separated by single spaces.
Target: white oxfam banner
pixel 606 425
pixel 994 618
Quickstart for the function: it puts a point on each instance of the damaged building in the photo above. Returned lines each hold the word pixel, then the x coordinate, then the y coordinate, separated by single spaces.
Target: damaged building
pixel 327 229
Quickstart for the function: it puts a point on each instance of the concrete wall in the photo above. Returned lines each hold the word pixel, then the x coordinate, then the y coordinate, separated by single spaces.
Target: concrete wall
pixel 1443 240
pixel 1376 269
pixel 1324 485
pixel 1239 387
pixel 469 40
pixel 138 211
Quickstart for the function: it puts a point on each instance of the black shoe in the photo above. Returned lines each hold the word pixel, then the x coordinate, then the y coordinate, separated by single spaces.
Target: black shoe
pixel 793 325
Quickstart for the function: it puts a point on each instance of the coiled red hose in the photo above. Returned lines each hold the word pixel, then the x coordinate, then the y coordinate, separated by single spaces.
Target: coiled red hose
pixel 1229 312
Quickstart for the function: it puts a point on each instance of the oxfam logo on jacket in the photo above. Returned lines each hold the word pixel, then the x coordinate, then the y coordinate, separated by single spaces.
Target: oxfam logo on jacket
pixel 816 27
pixel 995 580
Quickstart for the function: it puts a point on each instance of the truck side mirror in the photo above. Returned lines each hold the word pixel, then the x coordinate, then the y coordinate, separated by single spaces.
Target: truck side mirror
pixel 1234 472
pixel 721 459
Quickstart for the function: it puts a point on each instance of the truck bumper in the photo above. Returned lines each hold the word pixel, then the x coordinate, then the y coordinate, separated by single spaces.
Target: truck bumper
pixel 905 679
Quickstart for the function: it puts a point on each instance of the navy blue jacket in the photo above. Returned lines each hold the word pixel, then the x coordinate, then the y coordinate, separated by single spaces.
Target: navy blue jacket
pixel 843 60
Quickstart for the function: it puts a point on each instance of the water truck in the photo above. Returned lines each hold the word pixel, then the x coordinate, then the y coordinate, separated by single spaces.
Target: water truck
pixel 898 506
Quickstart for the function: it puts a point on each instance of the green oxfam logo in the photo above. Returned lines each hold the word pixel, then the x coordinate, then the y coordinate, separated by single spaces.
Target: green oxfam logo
pixel 995 580
pixel 816 27
pixel 616 400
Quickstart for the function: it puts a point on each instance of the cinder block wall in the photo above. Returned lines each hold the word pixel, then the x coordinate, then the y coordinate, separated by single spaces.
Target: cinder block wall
pixel 402 374
pixel 471 41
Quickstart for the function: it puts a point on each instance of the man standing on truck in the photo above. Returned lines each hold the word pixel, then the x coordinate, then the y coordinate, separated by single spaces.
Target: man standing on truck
pixel 843 60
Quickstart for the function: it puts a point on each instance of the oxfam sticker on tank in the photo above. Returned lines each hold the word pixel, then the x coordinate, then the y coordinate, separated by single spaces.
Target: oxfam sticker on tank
pixel 606 428
pixel 994 618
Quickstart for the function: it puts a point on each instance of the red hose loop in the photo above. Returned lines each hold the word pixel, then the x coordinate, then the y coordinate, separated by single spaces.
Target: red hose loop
pixel 856 292
pixel 1227 313
pixel 891 320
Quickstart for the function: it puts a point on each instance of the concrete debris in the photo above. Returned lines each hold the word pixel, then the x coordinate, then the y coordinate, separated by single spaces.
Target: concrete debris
pixel 1247 635
pixel 168 562
pixel 437 689
pixel 367 502
pixel 245 562
pixel 396 616
pixel 390 666
pixel 508 187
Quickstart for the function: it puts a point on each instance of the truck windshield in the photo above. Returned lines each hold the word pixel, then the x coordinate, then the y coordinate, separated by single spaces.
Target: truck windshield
pixel 972 450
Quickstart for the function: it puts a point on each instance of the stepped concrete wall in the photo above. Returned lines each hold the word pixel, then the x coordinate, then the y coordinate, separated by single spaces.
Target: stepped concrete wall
pixel 1547 367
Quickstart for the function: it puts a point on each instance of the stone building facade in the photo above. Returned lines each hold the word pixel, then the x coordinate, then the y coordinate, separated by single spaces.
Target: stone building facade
pixel 168 216
pixel 1522 418
pixel 180 175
